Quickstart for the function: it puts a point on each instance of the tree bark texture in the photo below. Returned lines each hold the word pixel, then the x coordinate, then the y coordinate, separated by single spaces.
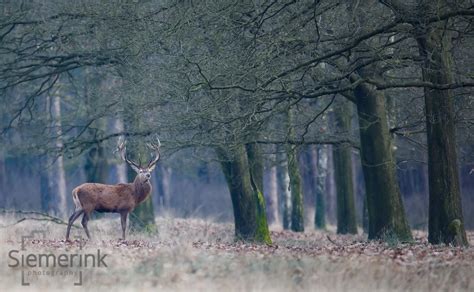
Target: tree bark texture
pixel 247 200
pixel 342 157
pixel 296 189
pixel 387 219
pixel 446 222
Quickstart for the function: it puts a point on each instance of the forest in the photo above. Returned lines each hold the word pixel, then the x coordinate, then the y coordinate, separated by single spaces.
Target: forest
pixel 265 145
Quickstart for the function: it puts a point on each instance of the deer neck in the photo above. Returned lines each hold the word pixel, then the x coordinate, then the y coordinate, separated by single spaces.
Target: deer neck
pixel 141 190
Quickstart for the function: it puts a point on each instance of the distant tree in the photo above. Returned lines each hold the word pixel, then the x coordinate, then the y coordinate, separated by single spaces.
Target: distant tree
pixel 284 193
pixel 342 156
pixel 322 173
pixel 271 194
pixel 296 189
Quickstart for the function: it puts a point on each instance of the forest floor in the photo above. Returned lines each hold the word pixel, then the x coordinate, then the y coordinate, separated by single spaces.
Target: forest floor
pixel 194 254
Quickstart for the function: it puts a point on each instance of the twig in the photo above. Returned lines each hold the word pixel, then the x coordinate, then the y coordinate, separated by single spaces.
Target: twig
pixel 46 216
pixel 332 241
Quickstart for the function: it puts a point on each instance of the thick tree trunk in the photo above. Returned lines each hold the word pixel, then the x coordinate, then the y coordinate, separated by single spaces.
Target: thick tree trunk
pixel 446 223
pixel 255 159
pixel 320 154
pixel 296 189
pixel 284 193
pixel 342 157
pixel 247 200
pixel 384 202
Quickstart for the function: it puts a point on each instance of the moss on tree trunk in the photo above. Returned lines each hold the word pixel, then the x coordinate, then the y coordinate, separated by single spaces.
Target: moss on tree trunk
pixel 247 200
pixel 255 158
pixel 384 202
pixel 297 219
pixel 346 214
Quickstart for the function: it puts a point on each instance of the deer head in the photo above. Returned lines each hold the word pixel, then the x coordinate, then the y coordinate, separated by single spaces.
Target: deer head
pixel 143 173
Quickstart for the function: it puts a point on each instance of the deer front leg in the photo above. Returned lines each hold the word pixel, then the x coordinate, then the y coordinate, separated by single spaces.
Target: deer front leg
pixel 123 219
pixel 85 219
pixel 73 218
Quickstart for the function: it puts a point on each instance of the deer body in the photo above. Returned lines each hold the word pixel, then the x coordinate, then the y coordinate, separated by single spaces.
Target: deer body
pixel 110 198
pixel 120 198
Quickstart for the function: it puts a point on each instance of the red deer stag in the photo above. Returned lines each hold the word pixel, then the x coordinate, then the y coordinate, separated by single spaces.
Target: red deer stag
pixel 119 198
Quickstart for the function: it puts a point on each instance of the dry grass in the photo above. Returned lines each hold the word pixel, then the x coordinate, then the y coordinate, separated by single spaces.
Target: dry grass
pixel 194 254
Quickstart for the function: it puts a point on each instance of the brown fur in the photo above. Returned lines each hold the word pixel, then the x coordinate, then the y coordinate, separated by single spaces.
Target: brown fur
pixel 112 198
pixel 119 198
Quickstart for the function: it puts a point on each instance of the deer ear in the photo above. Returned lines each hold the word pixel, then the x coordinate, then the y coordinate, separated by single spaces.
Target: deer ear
pixel 151 168
pixel 135 168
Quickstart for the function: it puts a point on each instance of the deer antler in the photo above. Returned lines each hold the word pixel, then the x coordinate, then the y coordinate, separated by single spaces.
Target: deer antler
pixel 121 149
pixel 155 146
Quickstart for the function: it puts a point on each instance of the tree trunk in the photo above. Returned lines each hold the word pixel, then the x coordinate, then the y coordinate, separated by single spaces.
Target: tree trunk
pixel 255 163
pixel 365 215
pixel 45 189
pixel 297 215
pixel 296 189
pixel 247 200
pixel 346 214
pixel 387 218
pixel 446 223
pixel 142 218
pixel 330 193
pixel 57 177
pixel 96 168
pixel 3 180
pixel 320 154
pixel 163 178
pixel 283 187
pixel 121 167
pixel 271 194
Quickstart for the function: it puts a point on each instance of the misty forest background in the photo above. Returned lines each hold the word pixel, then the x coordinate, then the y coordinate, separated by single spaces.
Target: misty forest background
pixel 299 114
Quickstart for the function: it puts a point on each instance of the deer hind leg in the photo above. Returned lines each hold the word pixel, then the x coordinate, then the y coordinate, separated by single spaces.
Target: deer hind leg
pixel 123 220
pixel 85 219
pixel 73 218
